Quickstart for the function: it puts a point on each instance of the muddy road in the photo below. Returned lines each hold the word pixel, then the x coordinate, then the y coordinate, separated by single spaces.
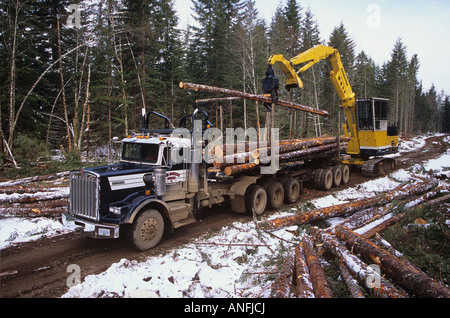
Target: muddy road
pixel 40 269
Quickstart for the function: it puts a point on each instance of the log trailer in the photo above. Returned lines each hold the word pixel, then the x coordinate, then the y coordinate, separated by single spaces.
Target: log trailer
pixel 154 188
pixel 367 123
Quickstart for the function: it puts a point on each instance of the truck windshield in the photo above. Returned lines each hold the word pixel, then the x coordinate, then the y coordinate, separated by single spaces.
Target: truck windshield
pixel 140 153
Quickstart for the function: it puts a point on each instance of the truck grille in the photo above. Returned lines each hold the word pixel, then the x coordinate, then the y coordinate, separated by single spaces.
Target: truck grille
pixel 84 195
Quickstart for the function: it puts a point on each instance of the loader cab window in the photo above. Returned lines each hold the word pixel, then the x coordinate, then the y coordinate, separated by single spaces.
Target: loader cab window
pixel 140 153
pixel 381 110
pixel 365 114
pixel 372 114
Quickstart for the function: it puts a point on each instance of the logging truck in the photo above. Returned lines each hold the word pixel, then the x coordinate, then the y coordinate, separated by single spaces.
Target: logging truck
pixel 163 180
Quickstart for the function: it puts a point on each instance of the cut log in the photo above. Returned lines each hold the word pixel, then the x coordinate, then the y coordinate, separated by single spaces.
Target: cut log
pixel 33 212
pixel 230 149
pixel 390 249
pixel 370 229
pixel 299 144
pixel 393 219
pixel 261 98
pixel 403 274
pixel 350 281
pixel 357 267
pixel 319 280
pixel 359 218
pixel 304 285
pixel 301 154
pixel 32 198
pixel 35 179
pixel 234 170
pixel 235 159
pixel 281 287
pixel 401 192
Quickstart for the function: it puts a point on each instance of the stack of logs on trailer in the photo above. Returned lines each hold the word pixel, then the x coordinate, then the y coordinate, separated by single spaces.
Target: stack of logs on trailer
pixel 316 159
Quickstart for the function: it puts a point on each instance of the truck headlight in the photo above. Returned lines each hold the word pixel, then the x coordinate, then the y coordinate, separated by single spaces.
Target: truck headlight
pixel 115 210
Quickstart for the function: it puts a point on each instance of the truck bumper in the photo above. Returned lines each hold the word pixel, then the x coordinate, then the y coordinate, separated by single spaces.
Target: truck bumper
pixel 91 229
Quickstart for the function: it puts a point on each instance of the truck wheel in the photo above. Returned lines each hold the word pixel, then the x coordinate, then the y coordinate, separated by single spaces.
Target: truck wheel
pixel 345 174
pixel 275 195
pixel 326 180
pixel 256 200
pixel 147 230
pixel 337 176
pixel 317 179
pixel 292 190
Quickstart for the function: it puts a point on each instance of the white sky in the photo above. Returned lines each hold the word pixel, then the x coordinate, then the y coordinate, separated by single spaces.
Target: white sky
pixel 423 25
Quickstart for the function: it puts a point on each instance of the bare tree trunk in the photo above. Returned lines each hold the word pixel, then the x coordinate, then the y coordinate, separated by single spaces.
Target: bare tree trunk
pixel 63 92
pixel 85 109
pixel 16 118
pixel 12 75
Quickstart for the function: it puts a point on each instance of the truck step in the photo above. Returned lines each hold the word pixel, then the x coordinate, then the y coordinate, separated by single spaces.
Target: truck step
pixel 181 223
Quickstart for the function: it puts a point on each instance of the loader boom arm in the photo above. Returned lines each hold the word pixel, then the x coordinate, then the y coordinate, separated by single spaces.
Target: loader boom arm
pixel 338 77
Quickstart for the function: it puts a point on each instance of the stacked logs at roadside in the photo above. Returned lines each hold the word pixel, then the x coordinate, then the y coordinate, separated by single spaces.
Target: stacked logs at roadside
pixel 368 265
pixel 246 157
pixel 39 196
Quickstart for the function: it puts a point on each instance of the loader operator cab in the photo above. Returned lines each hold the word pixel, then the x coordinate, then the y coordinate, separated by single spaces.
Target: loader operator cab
pixel 373 115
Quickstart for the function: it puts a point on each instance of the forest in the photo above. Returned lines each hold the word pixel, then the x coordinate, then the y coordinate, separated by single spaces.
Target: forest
pixel 73 76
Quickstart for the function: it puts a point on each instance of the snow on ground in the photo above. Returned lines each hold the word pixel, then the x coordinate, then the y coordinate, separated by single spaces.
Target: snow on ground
pixel 237 261
pixel 224 265
pixel 22 230
pixel 15 230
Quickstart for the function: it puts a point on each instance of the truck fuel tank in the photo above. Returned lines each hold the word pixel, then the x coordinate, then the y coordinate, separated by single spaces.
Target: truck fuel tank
pixel 159 177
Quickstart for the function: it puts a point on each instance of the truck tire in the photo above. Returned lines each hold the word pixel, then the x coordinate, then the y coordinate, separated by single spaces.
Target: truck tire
pixel 317 179
pixel 275 194
pixel 337 176
pixel 256 200
pixel 147 230
pixel 292 190
pixel 345 174
pixel 326 179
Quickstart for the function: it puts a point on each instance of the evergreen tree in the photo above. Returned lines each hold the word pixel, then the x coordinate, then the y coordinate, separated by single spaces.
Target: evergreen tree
pixel 213 36
pixel 168 60
pixel 395 77
pixel 364 85
pixel 293 18
pixel 341 40
pixel 278 43
pixel 423 113
pixel 446 115
pixel 310 36
pixel 250 49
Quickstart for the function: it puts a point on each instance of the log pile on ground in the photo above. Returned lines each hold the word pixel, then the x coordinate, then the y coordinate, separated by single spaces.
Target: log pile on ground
pixel 246 157
pixel 368 264
pixel 40 196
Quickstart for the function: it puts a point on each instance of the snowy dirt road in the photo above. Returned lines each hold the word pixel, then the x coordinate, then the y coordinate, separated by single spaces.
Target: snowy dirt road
pixel 40 268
